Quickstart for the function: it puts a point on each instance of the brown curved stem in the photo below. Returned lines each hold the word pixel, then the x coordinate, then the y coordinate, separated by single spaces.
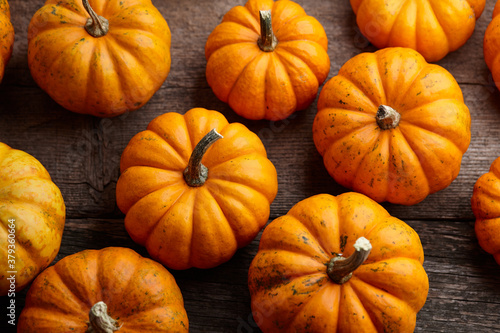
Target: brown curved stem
pixel 387 117
pixel 196 173
pixel 100 321
pixel 340 269
pixel 96 26
pixel 267 40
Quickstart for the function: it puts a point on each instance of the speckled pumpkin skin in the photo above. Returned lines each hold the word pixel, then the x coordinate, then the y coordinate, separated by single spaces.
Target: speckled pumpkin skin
pixel 103 76
pixel 267 85
pixel 28 195
pixel 432 27
pixel 491 45
pixel 403 165
pixel 6 36
pixel 140 293
pixel 291 291
pixel 486 207
pixel 184 226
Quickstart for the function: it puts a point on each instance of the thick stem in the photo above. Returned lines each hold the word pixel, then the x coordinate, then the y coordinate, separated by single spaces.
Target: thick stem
pixel 100 321
pixel 96 26
pixel 340 269
pixel 387 117
pixel 267 40
pixel 196 173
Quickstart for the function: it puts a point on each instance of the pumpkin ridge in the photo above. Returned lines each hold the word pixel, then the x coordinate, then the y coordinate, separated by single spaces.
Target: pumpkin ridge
pixel 299 12
pixel 235 18
pixel 65 47
pixel 366 304
pixel 403 136
pixel 90 74
pixel 382 81
pixel 139 58
pixel 374 103
pixel 397 101
pixel 224 210
pixel 67 6
pixel 287 23
pixel 355 172
pixel 179 156
pixel 233 182
pixel 381 139
pixel 367 309
pixel 276 61
pixel 396 15
pixel 156 223
pixel 318 239
pixel 120 71
pixel 12 181
pixel 406 124
pixel 193 243
pixel 289 64
pixel 187 191
pixel 257 55
pixel 303 305
pixel 119 312
pixel 437 17
pixel 333 142
pixel 57 273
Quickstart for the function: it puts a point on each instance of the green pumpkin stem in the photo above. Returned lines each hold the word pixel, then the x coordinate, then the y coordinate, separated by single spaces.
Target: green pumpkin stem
pixel 387 117
pixel 100 321
pixel 96 26
pixel 340 269
pixel 196 173
pixel 267 41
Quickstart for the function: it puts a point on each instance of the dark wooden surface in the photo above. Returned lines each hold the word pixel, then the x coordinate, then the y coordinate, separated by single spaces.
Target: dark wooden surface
pixel 82 155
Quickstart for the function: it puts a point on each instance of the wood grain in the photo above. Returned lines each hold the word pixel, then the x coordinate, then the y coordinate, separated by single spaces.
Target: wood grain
pixel 82 154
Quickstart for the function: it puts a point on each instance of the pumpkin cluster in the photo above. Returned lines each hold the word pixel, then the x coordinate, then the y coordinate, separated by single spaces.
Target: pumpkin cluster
pixel 195 188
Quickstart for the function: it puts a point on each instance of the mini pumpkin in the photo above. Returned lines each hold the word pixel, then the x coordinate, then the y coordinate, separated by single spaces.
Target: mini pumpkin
pixel 113 289
pixel 99 57
pixel 486 207
pixel 338 264
pixel 191 197
pixel 32 213
pixel 433 28
pixel 267 59
pixel 491 47
pixel 392 126
pixel 6 36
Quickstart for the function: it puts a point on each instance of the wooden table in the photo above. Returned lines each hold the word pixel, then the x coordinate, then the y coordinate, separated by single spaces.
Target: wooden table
pixel 82 155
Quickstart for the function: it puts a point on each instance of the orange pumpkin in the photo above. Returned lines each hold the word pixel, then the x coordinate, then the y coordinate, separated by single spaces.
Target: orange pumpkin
pixel 113 289
pixel 6 36
pixel 434 28
pixel 103 62
pixel 392 126
pixel 267 59
pixel 491 45
pixel 191 203
pixel 32 213
pixel 486 207
pixel 338 264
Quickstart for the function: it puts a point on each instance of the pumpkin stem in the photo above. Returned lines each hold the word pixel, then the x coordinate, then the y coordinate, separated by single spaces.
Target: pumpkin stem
pixel 100 321
pixel 267 40
pixel 96 26
pixel 387 117
pixel 340 269
pixel 196 173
